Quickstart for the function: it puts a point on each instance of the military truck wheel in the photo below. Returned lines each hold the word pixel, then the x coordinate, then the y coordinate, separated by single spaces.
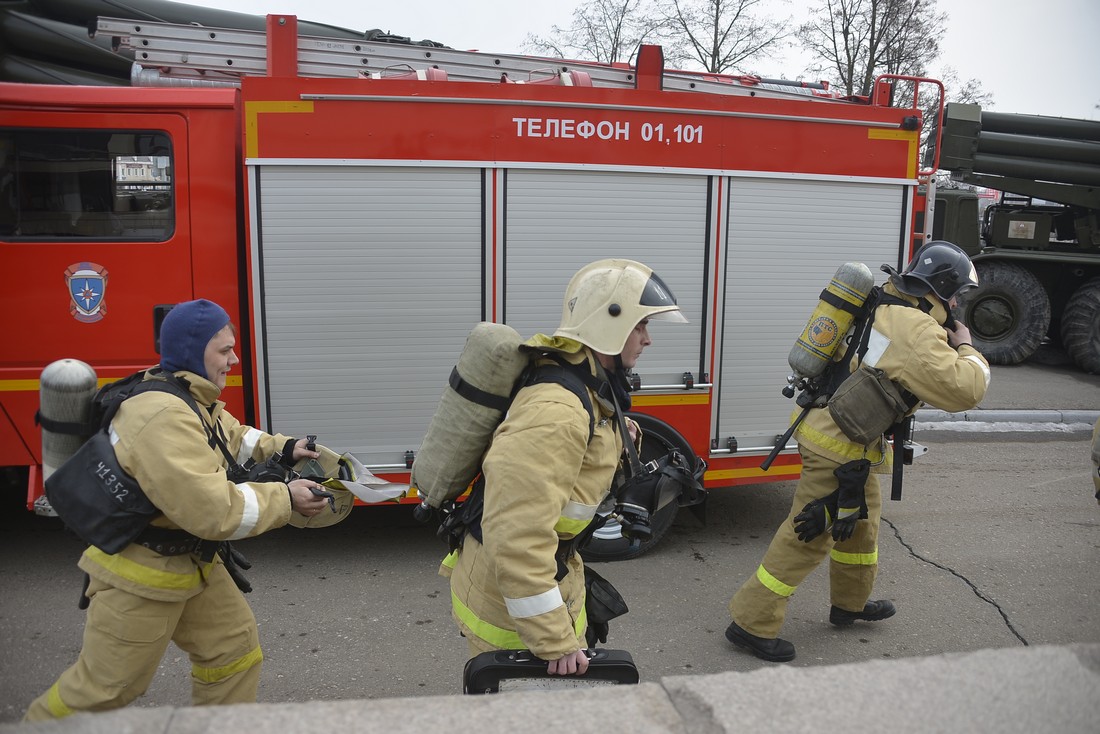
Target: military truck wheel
pixel 1008 314
pixel 1081 326
pixel 608 543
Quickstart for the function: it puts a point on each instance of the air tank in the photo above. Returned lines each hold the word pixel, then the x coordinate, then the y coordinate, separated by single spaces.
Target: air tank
pixel 472 406
pixel 836 310
pixel 67 387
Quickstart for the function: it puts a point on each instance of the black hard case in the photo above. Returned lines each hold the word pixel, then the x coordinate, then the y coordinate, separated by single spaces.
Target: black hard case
pixel 485 672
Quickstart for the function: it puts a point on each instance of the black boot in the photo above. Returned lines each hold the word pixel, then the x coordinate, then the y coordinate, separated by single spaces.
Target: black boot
pixel 873 612
pixel 774 650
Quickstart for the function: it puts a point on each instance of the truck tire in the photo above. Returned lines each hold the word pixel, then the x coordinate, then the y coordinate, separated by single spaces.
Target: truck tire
pixel 1081 326
pixel 608 543
pixel 1008 314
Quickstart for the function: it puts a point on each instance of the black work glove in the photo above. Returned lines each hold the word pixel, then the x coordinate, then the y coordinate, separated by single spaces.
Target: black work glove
pixel 596 632
pixel 851 501
pixel 816 517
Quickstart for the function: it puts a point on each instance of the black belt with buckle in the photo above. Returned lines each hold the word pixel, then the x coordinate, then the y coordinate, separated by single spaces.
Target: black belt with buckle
pixel 169 542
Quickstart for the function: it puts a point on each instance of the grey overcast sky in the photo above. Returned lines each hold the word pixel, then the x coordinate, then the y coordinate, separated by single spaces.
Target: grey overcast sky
pixel 1035 56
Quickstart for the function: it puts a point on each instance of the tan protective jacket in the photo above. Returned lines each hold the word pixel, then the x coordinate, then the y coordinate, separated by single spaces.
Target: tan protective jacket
pixel 911 347
pixel 161 443
pixel 544 481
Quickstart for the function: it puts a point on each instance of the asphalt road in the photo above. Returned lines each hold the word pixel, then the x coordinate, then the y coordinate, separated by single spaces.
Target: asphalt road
pixel 996 544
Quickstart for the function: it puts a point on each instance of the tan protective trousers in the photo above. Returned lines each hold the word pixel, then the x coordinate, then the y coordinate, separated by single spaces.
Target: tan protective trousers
pixel 125 637
pixel 760 605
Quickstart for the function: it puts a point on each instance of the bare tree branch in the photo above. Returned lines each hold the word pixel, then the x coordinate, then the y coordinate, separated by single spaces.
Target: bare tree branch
pixel 718 35
pixel 860 39
pixel 606 31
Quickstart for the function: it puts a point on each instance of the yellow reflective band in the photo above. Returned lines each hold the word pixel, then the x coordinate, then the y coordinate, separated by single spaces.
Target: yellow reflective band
pixel 36 385
pixel 651 400
pixel 132 571
pixel 569 526
pixel 855 559
pixel 215 675
pixel 772 583
pixel 787 470
pixel 904 136
pixel 557 343
pixel 498 636
pixel 54 703
pixel 451 559
pixel 844 448
pixel 252 112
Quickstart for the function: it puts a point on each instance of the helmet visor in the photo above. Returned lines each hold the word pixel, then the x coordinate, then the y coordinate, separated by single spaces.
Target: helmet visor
pixel 657 296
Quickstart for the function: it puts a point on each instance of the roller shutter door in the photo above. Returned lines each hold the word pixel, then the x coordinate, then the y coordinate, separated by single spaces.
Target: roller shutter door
pixel 558 221
pixel 372 277
pixel 785 241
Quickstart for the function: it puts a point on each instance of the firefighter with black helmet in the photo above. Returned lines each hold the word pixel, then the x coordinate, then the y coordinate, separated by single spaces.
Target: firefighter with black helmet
pixel 548 468
pixel 911 341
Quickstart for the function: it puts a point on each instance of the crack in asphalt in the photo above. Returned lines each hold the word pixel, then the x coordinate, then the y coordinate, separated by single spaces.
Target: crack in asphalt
pixel 953 572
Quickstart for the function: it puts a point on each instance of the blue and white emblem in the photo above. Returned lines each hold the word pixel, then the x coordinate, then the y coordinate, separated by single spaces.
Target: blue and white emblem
pixel 87 283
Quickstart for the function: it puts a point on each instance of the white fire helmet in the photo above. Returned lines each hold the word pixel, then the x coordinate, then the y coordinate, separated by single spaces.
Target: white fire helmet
pixel 606 299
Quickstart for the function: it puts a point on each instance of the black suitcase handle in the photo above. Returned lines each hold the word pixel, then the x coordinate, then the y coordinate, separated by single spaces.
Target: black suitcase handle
pixel 507 670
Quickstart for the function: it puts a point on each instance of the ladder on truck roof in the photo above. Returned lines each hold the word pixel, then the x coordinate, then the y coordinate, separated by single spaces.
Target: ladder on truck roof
pixel 168 54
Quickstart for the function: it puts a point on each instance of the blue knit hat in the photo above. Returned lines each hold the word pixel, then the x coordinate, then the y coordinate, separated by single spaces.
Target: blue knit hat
pixel 186 331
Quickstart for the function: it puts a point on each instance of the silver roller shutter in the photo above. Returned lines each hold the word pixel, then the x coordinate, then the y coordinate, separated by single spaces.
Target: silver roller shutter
pixel 558 221
pixel 786 240
pixel 372 278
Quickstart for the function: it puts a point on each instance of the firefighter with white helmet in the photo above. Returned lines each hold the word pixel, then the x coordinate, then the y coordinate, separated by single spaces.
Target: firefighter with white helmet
pixel 517 582
pixel 911 341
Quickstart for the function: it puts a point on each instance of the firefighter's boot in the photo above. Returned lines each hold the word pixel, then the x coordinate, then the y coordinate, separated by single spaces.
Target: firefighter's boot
pixel 773 650
pixel 872 612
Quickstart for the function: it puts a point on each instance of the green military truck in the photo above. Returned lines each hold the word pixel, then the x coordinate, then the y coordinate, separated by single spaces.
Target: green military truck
pixel 1037 250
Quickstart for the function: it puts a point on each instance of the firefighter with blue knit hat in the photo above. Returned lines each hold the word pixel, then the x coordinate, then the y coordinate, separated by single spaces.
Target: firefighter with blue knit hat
pixel 176 582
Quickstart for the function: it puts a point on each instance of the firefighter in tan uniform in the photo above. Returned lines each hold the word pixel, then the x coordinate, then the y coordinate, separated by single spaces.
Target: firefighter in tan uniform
pixel 937 365
pixel 523 588
pixel 140 600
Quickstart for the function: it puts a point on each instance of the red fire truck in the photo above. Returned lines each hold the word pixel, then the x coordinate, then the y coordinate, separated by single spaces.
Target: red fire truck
pixel 359 207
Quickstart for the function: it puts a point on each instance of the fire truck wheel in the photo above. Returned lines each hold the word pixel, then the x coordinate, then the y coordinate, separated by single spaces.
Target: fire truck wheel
pixel 608 543
pixel 1008 313
pixel 1081 326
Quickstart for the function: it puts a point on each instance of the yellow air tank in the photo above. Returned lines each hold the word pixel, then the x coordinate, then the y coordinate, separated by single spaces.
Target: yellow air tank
pixel 835 312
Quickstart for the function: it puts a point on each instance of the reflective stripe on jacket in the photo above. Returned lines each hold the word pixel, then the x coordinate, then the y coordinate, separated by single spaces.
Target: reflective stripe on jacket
pixel 160 441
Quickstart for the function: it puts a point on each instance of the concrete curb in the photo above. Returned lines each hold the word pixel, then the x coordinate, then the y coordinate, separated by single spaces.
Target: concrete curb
pixel 1010 691
pixel 1067 417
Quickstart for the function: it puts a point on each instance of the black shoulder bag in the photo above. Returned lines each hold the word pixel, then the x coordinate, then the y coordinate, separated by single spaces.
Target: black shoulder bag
pixel 92 494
